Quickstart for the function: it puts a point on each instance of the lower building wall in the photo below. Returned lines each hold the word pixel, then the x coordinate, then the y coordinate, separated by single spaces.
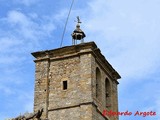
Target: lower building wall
pixel 65 114
pixel 82 112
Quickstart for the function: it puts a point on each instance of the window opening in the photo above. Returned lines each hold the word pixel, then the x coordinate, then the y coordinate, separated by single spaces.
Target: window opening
pixel 65 85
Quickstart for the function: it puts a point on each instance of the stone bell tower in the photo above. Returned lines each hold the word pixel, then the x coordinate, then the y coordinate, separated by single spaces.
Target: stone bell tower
pixel 75 83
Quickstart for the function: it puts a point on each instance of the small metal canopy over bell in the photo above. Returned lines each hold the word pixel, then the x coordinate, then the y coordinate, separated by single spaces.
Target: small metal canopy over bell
pixel 78 34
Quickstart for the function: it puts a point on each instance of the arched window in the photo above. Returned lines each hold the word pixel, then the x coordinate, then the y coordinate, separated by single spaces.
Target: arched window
pixel 107 93
pixel 98 83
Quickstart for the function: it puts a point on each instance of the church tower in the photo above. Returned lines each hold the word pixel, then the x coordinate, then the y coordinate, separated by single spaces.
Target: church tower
pixel 75 82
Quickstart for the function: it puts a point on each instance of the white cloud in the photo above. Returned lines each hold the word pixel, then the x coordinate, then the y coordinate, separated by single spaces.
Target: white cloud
pixel 8 43
pixel 130 34
pixel 25 32
pixel 20 34
pixel 127 32
pixel 17 17
pixel 29 26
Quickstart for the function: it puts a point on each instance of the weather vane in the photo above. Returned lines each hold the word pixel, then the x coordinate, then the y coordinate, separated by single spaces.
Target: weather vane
pixel 78 19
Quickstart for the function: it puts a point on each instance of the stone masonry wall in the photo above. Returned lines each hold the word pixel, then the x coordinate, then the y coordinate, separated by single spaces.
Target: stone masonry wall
pixel 82 112
pixel 77 72
pixel 64 70
pixel 102 103
pixel 77 65
pixel 40 86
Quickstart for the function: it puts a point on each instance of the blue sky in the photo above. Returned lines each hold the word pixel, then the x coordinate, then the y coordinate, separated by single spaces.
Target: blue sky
pixel 126 31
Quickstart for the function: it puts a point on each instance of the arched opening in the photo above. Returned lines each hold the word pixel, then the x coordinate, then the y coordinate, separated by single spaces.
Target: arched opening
pixel 98 83
pixel 107 93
